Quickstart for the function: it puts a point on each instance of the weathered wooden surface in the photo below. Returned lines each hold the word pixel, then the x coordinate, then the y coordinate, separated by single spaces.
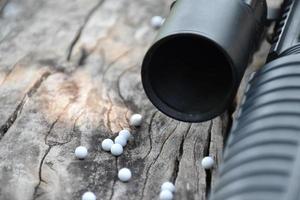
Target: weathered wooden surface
pixel 69 76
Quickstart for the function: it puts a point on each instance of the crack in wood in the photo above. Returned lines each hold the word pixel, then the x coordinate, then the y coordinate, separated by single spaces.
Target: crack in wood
pixel 36 188
pixel 149 132
pixel 196 167
pixel 178 158
pixel 84 54
pixel 177 161
pixel 81 28
pixel 208 139
pixel 229 123
pixel 36 194
pixel 155 159
pixel 6 126
pixel 206 153
pixel 188 130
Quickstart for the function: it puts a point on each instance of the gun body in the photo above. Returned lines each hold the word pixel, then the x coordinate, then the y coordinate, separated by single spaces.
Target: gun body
pixel 262 156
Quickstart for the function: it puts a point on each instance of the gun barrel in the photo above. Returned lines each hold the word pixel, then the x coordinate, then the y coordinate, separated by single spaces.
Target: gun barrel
pixel 195 66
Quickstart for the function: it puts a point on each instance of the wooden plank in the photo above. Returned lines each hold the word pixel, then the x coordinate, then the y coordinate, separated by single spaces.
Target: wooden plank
pixel 70 76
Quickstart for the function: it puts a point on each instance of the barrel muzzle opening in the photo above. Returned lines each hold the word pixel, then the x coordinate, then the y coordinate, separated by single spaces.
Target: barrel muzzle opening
pixel 188 77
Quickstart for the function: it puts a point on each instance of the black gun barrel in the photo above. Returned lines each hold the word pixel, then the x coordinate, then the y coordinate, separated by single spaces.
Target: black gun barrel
pixel 262 154
pixel 194 68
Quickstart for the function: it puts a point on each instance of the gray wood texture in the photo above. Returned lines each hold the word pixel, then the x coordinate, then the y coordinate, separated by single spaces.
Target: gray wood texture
pixel 70 76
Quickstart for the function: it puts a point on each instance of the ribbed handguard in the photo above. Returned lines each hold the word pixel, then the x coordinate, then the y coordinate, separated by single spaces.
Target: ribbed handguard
pixel 262 156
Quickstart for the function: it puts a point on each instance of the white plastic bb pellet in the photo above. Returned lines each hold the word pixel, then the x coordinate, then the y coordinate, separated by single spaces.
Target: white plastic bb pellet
pixel 157 22
pixel 168 186
pixel 106 144
pixel 88 196
pixel 121 140
pixel 136 120
pixel 207 162
pixel 125 133
pixel 124 174
pixel 81 152
pixel 116 149
pixel 165 195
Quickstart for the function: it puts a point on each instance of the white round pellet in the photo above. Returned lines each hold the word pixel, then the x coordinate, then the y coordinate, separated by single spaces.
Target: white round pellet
pixel 207 162
pixel 106 144
pixel 121 140
pixel 124 174
pixel 81 152
pixel 116 149
pixel 157 22
pixel 136 120
pixel 88 196
pixel 125 133
pixel 165 195
pixel 168 186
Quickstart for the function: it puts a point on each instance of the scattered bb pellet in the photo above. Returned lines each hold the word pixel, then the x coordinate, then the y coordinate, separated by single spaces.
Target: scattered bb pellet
pixel 124 174
pixel 88 196
pixel 168 186
pixel 135 120
pixel 207 162
pixel 81 152
pixel 125 133
pixel 106 144
pixel 116 149
pixel 121 140
pixel 165 195
pixel 157 22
